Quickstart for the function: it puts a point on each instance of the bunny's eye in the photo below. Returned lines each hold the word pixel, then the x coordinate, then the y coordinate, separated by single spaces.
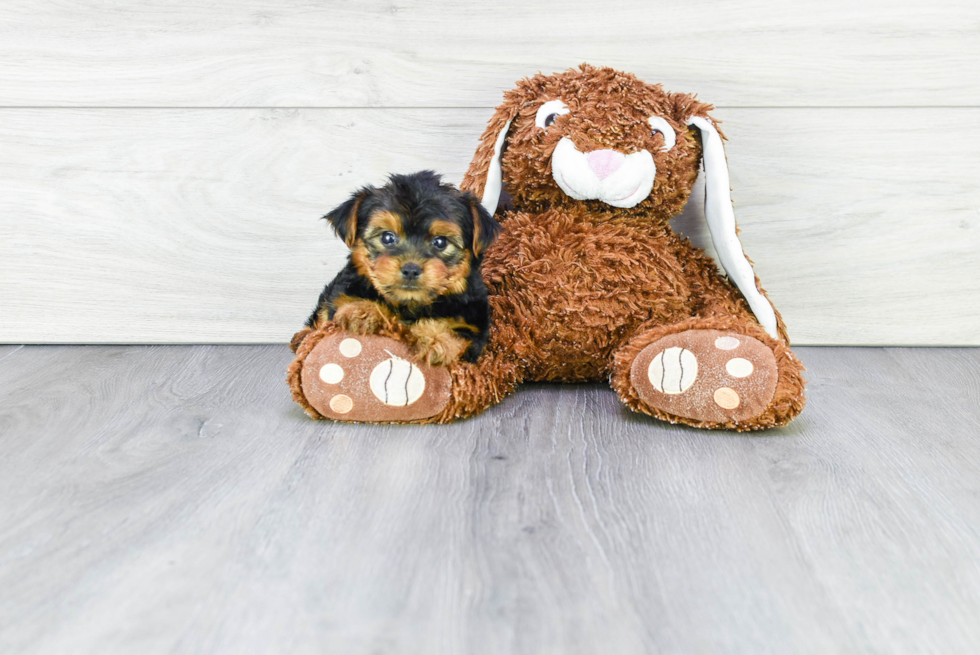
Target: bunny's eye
pixel 549 112
pixel 661 126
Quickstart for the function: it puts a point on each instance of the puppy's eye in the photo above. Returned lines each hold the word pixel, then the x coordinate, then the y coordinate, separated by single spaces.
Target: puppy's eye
pixel 549 112
pixel 440 243
pixel 389 238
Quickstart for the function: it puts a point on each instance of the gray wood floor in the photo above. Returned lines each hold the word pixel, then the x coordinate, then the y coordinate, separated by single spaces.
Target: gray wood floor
pixel 173 499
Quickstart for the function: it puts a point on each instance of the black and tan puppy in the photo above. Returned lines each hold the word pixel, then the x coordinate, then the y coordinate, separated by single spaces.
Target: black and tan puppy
pixel 416 246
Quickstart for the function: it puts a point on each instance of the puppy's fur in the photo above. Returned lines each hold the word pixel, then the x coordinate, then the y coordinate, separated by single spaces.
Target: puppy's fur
pixel 416 247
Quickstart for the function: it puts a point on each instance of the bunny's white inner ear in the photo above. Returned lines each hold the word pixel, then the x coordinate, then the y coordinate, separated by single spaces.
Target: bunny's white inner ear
pixel 721 222
pixel 494 183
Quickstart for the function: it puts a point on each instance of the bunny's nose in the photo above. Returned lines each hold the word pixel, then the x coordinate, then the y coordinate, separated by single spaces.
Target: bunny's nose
pixel 605 162
pixel 411 271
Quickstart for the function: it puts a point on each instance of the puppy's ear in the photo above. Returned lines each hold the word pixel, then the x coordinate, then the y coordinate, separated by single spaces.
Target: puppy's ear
pixel 485 227
pixel 344 218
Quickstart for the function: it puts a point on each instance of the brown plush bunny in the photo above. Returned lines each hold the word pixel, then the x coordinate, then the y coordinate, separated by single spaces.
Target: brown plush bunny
pixel 587 280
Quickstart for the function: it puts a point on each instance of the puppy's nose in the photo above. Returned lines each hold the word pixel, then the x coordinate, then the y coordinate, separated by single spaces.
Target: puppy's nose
pixel 605 162
pixel 411 271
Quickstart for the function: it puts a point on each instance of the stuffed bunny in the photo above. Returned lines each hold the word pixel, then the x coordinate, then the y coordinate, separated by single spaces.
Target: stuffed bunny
pixel 587 281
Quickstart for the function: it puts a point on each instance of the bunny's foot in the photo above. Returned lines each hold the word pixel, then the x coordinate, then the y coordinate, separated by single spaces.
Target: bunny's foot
pixel 368 378
pixel 712 377
pixel 706 375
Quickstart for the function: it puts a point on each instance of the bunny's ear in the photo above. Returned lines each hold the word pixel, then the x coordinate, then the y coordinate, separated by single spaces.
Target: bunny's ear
pixel 484 179
pixel 721 223
pixel 344 218
pixel 494 181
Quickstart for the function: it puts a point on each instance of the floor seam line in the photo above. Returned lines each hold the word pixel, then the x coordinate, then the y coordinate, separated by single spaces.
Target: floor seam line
pixel 17 349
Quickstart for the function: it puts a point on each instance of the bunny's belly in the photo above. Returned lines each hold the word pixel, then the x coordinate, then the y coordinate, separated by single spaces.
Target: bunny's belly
pixel 575 292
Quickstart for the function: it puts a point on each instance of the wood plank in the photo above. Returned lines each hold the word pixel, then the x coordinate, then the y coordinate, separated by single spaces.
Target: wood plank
pixel 162 499
pixel 879 482
pixel 190 225
pixel 159 226
pixel 292 53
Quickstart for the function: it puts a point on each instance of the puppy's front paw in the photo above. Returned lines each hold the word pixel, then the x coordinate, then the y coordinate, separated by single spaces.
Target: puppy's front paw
pixel 362 317
pixel 436 343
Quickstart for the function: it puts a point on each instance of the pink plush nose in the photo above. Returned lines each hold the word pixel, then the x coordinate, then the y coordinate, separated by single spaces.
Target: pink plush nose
pixel 605 162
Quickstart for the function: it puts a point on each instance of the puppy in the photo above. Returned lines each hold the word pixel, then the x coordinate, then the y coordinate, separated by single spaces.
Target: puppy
pixel 416 247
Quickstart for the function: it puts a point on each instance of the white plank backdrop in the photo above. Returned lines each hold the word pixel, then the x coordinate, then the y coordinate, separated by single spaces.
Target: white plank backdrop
pixel 415 53
pixel 163 165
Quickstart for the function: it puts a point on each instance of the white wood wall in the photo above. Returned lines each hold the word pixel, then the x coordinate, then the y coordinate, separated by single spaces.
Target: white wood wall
pixel 163 164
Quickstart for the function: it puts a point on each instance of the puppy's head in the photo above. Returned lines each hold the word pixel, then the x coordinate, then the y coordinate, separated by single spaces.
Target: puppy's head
pixel 415 238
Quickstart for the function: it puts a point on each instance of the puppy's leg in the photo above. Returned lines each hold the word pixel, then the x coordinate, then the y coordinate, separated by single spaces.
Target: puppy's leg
pixel 359 316
pixel 437 341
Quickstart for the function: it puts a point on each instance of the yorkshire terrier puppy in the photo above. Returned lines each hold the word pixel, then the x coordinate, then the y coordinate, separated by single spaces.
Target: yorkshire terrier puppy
pixel 416 247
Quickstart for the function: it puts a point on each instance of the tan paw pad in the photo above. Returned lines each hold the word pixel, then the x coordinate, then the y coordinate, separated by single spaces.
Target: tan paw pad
pixel 341 403
pixel 727 398
pixel 706 375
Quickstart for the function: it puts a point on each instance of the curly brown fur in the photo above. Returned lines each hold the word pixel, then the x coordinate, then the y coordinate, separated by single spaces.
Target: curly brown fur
pixel 303 346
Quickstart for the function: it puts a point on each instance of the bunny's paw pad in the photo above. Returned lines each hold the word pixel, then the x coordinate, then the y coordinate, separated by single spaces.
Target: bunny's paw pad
pixel 372 379
pixel 706 375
